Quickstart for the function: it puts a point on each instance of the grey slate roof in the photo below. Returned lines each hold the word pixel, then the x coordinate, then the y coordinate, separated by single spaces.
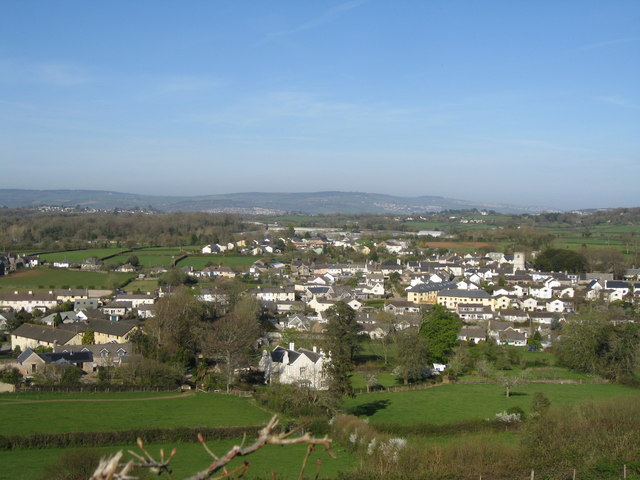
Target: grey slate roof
pixel 43 333
pixel 431 287
pixel 67 357
pixel 456 292
pixel 102 326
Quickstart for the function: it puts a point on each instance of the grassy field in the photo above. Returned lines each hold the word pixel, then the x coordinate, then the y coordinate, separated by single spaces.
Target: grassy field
pixel 146 285
pixel 236 262
pixel 177 251
pixel 44 278
pixel 80 255
pixel 455 403
pixel 20 397
pixel 146 260
pixel 286 462
pixel 87 413
pixel 359 379
pixel 60 412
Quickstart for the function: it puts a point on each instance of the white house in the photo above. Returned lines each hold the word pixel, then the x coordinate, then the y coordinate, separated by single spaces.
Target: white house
pixel 299 367
pixel 510 336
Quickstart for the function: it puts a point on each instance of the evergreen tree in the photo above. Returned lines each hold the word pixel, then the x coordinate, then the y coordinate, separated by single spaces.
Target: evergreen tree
pixel 440 327
pixel 88 338
pixel 412 355
pixel 342 343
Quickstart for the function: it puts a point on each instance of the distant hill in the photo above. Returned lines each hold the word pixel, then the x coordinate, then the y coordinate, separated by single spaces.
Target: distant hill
pixel 256 203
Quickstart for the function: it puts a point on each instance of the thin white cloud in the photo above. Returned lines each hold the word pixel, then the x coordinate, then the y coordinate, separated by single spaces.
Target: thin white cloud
pixel 187 84
pixel 608 43
pixel 617 100
pixel 60 74
pixel 296 105
pixel 55 74
pixel 536 144
pixel 322 19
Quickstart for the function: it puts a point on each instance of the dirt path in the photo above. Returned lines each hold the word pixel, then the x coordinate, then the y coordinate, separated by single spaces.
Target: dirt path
pixel 181 395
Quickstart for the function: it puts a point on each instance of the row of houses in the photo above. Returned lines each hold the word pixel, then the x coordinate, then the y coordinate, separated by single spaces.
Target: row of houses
pixel 29 335
pixel 88 358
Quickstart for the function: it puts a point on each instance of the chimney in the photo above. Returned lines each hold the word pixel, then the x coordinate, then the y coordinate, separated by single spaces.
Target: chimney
pixel 292 346
pixel 315 349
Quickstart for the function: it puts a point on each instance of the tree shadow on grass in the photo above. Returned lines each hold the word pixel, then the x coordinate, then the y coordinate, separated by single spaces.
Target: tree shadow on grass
pixel 362 358
pixel 368 409
pixel 518 394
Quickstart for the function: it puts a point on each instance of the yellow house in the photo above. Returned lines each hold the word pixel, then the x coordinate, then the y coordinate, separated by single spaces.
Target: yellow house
pixel 427 292
pixel 452 297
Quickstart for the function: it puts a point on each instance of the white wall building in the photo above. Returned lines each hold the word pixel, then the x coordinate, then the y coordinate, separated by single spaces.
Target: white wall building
pixel 299 367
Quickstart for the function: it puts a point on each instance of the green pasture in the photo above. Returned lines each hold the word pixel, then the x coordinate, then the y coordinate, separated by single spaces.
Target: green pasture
pixel 146 285
pixel 79 256
pixel 456 403
pixel 90 413
pixel 146 260
pixel 44 278
pixel 385 379
pixel 21 397
pixel 177 251
pixel 190 458
pixel 372 352
pixel 236 262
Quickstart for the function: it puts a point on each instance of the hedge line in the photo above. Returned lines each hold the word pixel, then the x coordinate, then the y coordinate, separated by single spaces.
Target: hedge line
pixel 471 426
pixel 98 439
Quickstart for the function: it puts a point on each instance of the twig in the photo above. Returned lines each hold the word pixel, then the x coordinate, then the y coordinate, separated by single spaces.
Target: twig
pixel 310 448
pixel 107 470
pixel 266 437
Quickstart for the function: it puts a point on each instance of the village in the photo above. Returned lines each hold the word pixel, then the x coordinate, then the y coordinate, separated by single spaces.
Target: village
pixel 499 298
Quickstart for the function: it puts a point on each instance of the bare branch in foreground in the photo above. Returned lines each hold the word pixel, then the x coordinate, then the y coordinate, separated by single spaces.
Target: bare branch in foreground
pixel 112 469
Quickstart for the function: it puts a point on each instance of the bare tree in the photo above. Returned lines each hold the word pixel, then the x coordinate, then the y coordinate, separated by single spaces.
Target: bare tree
pixel 508 382
pixel 230 339
pixel 174 326
pixel 388 322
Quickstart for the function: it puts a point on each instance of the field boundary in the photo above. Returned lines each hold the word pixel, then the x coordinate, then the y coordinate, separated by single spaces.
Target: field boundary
pixel 119 437
pixel 52 400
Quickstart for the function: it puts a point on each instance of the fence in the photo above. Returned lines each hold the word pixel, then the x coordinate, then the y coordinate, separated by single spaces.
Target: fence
pixel 399 388
pixel 94 389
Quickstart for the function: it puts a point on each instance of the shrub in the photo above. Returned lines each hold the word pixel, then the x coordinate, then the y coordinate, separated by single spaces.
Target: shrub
pixel 118 437
pixel 73 465
pixel 10 375
pixel 297 401
pixel 585 435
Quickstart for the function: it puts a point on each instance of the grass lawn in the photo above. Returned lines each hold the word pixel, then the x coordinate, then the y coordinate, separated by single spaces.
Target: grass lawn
pixel 190 458
pixel 37 396
pixel 146 285
pixel 103 414
pixel 80 255
pixel 236 262
pixel 44 278
pixel 455 403
pixel 146 260
pixel 359 379
pixel 177 251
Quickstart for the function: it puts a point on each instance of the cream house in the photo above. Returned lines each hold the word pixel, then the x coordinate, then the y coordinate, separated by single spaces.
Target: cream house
pixel 29 335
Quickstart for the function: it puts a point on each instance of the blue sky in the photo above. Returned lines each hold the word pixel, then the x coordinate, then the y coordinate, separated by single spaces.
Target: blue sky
pixel 528 103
